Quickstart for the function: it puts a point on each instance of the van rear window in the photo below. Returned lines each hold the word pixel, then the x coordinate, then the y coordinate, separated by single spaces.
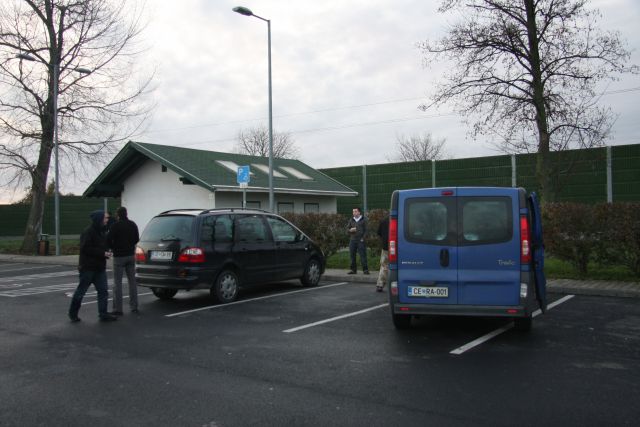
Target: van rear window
pixel 458 221
pixel 485 220
pixel 429 220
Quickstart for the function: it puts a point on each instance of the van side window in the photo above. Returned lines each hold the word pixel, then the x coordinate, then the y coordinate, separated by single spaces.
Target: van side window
pixel 485 220
pixel 429 220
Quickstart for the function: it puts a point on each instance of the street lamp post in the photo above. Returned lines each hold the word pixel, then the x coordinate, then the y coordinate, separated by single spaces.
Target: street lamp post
pixel 56 197
pixel 247 12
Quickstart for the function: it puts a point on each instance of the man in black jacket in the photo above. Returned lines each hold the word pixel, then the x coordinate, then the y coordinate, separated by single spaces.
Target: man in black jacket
pixel 122 238
pixel 93 267
pixel 357 229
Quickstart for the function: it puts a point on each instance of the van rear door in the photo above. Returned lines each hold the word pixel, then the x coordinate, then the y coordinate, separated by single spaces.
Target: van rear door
pixel 488 246
pixel 427 252
pixel 538 252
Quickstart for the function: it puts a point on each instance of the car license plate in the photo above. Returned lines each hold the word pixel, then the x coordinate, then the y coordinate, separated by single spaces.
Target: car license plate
pixel 161 255
pixel 428 292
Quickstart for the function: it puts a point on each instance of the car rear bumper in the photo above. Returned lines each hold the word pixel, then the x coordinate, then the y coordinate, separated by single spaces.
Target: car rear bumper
pixel 183 278
pixel 461 310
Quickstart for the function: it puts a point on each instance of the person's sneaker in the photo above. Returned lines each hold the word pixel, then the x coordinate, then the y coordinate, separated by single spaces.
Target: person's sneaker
pixel 366 272
pixel 116 313
pixel 108 318
pixel 74 319
pixel 351 272
pixel 135 311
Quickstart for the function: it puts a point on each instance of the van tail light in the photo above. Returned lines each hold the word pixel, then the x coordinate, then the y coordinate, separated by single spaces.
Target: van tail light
pixel 191 256
pixel 525 241
pixel 140 256
pixel 393 240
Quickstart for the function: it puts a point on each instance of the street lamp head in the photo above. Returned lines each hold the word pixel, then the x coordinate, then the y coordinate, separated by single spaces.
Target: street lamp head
pixel 83 70
pixel 243 11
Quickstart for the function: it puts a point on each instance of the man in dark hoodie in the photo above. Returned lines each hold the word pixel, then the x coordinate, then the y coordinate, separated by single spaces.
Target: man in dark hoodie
pixel 122 238
pixel 93 267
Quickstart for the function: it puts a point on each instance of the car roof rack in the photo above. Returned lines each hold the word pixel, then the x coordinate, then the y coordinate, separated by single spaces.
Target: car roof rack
pixel 182 210
pixel 236 209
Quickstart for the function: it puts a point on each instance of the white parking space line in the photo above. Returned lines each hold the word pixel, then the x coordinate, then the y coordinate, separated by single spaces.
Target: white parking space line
pixel 505 328
pixel 26 268
pixel 12 279
pixel 110 299
pixel 209 307
pixel 38 290
pixel 333 319
pixel 38 276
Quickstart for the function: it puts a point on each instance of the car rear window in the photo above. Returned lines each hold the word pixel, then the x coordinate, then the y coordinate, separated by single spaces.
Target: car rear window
pixel 169 227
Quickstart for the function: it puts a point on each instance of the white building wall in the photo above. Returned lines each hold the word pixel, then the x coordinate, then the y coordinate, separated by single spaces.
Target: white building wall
pixel 150 191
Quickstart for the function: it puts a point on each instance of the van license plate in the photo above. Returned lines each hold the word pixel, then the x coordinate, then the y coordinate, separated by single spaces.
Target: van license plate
pixel 161 255
pixel 428 292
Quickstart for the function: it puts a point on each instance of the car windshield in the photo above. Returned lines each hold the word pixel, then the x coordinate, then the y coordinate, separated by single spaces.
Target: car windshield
pixel 167 228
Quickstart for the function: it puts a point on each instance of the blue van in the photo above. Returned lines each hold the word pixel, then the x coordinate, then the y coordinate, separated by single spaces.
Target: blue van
pixel 472 251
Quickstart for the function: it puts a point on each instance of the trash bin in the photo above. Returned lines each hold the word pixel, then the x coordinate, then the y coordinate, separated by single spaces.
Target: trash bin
pixel 43 245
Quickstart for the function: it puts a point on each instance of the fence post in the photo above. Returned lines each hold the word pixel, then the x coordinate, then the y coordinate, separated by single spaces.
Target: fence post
pixel 433 173
pixel 609 176
pixel 514 182
pixel 364 188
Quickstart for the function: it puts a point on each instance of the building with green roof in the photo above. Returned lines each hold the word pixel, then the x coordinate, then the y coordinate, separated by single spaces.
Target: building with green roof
pixel 151 178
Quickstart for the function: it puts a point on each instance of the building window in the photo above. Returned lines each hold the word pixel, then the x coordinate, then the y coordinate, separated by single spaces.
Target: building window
pixel 164 168
pixel 285 207
pixel 252 205
pixel 311 208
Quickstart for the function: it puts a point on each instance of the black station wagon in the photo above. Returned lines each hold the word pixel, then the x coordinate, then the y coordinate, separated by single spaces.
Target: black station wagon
pixel 221 250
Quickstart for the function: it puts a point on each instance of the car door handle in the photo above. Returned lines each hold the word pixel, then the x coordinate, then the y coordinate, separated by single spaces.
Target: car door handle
pixel 444 257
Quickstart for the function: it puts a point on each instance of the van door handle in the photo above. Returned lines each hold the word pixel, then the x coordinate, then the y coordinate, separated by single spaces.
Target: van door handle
pixel 444 257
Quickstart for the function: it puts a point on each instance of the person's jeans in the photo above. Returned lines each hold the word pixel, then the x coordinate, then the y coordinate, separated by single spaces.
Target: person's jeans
pixel 358 246
pixel 124 264
pixel 99 280
pixel 383 275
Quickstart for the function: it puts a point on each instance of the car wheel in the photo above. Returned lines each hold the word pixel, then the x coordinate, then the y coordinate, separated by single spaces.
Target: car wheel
pixel 225 289
pixel 401 321
pixel 311 276
pixel 164 293
pixel 523 324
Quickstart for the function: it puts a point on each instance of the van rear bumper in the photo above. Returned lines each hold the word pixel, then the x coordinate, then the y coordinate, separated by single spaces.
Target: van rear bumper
pixel 461 310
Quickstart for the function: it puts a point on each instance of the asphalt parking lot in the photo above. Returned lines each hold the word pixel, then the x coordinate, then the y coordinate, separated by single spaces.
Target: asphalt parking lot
pixel 284 354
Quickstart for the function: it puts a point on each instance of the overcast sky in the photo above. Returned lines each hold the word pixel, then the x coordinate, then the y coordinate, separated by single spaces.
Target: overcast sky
pixel 347 77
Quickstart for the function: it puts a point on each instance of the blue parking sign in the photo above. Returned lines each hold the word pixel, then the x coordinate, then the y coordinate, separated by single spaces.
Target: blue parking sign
pixel 244 174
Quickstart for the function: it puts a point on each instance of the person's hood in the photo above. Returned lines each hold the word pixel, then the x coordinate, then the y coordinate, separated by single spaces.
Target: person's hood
pixel 97 217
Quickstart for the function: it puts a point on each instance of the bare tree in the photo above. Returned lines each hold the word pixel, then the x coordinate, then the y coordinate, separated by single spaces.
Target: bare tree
pixel 526 72
pixel 415 148
pixel 70 61
pixel 255 141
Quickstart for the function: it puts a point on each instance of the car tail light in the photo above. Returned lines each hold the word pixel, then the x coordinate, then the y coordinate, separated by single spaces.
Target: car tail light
pixel 525 246
pixel 140 256
pixel 393 240
pixel 191 256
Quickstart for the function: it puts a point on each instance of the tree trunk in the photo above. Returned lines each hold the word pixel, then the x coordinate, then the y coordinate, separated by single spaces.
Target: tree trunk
pixel 38 194
pixel 543 171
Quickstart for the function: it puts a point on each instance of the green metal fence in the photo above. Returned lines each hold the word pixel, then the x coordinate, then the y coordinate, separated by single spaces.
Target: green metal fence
pixel 74 215
pixel 593 175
